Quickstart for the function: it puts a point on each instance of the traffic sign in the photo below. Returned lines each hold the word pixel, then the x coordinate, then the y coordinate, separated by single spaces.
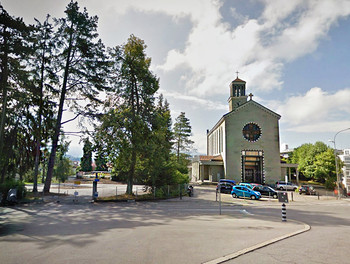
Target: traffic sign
pixel 283 197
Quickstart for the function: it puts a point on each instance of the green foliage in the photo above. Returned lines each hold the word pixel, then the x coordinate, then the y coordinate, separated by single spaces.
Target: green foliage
pixel 330 183
pixel 86 160
pixel 325 166
pixel 182 134
pixel 315 161
pixel 80 66
pixel 63 166
pixel 29 176
pixel 101 162
pixel 62 169
pixel 16 91
pixel 11 184
pixel 128 121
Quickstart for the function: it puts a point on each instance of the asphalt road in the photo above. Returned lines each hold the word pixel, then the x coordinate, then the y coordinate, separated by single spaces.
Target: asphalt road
pixel 326 242
pixel 175 231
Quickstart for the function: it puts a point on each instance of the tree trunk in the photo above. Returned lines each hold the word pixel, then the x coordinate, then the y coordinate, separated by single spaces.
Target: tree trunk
pixel 3 84
pixel 59 119
pixel 38 137
pixel 131 172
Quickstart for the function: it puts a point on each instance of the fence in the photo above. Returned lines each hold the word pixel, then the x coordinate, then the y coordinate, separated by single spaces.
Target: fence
pixel 166 191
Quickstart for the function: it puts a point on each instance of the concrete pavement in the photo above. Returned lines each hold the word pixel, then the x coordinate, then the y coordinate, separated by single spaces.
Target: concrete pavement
pixel 171 231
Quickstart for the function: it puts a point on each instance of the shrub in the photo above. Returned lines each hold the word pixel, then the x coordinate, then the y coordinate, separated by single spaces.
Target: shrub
pixel 329 184
pixel 12 184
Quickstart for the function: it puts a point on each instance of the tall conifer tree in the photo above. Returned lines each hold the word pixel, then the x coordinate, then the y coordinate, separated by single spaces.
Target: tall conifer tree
pixel 81 63
pixel 182 134
pixel 128 124
pixel 15 117
pixel 86 160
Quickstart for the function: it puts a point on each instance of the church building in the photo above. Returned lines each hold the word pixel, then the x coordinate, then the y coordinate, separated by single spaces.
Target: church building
pixel 244 144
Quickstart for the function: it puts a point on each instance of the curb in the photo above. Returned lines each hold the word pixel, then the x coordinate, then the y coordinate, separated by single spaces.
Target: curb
pixel 258 246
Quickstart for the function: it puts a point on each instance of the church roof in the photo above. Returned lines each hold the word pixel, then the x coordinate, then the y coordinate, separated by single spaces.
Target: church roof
pixel 256 104
pixel 241 107
pixel 238 80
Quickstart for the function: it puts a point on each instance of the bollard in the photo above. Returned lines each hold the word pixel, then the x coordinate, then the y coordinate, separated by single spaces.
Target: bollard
pixel 284 213
pixel 94 190
pixel 220 200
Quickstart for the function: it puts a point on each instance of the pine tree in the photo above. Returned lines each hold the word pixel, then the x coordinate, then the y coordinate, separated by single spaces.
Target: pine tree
pixel 43 78
pixel 15 88
pixel 182 134
pixel 128 121
pixel 159 167
pixel 101 161
pixel 82 65
pixel 86 160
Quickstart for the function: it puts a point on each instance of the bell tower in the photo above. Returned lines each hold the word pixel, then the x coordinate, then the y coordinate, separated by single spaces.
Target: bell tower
pixel 237 93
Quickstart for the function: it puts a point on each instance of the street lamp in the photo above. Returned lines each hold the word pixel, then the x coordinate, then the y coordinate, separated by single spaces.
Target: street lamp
pixel 336 162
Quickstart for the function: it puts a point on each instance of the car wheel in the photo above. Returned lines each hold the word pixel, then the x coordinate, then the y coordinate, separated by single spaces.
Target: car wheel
pixel 234 195
pixel 274 196
pixel 281 188
pixel 253 197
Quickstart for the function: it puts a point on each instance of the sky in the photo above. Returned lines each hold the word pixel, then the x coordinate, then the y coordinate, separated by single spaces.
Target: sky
pixel 293 55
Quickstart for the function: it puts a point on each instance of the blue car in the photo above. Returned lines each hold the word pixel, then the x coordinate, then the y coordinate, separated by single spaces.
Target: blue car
pixel 248 185
pixel 242 191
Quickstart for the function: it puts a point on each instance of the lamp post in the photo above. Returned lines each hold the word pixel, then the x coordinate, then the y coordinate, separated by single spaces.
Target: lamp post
pixel 336 162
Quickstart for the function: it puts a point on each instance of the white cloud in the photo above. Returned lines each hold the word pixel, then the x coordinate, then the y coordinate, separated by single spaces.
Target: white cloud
pixel 195 101
pixel 316 111
pixel 258 48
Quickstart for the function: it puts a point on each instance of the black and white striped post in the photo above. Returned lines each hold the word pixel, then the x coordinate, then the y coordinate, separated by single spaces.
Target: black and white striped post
pixel 284 213
pixel 283 198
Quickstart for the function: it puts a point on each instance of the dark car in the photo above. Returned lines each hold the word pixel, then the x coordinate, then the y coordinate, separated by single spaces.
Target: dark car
pixel 307 189
pixel 255 184
pixel 227 181
pixel 224 187
pixel 266 191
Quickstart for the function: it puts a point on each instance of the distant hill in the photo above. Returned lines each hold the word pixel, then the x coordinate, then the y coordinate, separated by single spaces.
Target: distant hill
pixel 73 158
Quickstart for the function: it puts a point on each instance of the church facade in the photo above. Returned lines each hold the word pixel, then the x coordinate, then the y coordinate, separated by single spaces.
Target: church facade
pixel 244 144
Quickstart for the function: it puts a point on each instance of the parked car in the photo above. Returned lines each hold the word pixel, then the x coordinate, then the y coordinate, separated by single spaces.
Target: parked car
pixel 287 186
pixel 256 184
pixel 248 185
pixel 307 189
pixel 224 187
pixel 266 191
pixel 227 181
pixel 242 191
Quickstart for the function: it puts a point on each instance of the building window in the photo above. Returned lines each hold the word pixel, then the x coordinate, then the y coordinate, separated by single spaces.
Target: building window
pixel 251 132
